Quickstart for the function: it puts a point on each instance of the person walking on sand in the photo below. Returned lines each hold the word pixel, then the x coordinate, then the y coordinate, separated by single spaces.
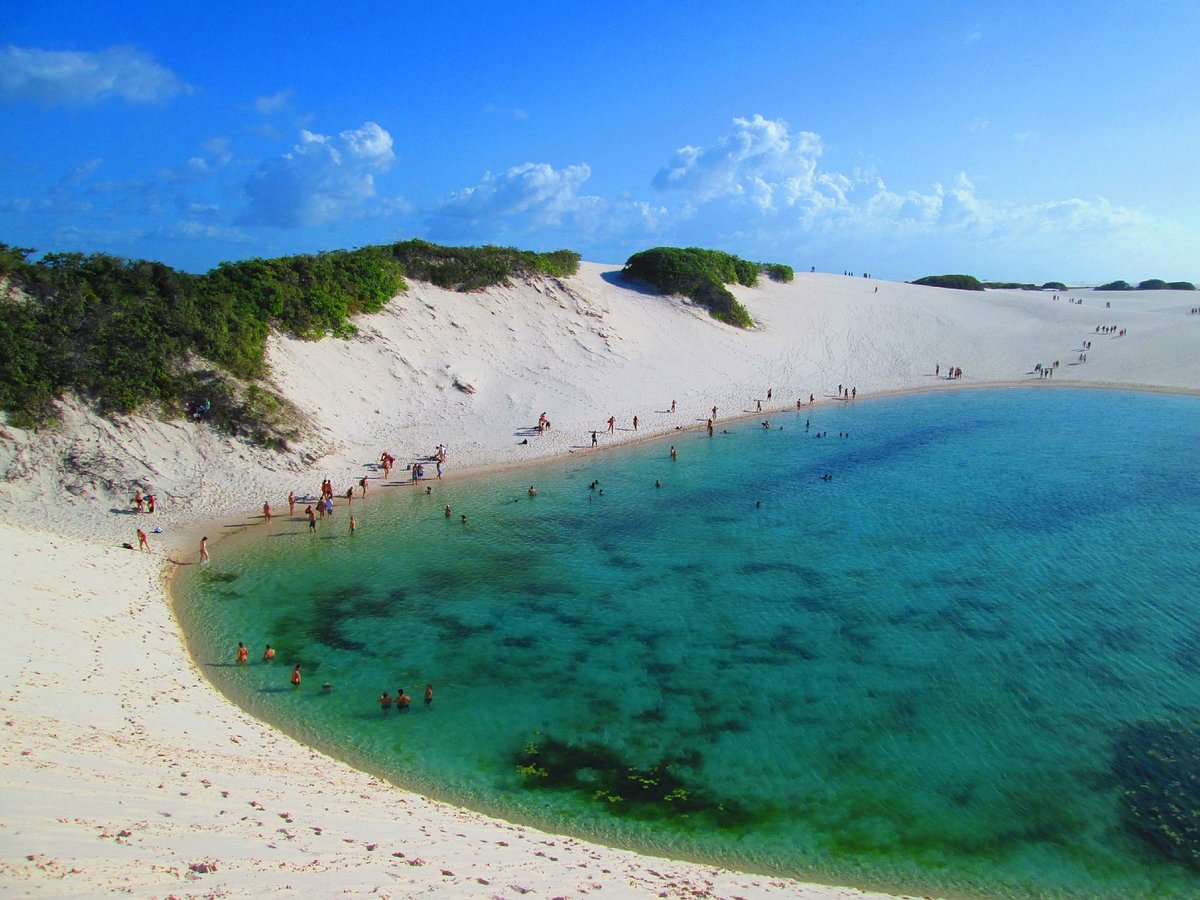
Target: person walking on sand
pixel 362 483
pixel 714 415
pixel 296 676
pixel 593 439
pixel 204 549
pixel 267 511
pixel 143 544
pixel 243 654
pixel 672 406
pixel 291 503
pixel 612 422
pixel 635 423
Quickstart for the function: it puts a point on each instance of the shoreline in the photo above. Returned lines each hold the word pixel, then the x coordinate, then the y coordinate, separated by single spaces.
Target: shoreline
pixel 109 734
pixel 245 532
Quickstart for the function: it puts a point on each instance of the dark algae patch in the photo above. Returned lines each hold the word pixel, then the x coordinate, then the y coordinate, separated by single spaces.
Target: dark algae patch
pixel 656 792
pixel 1158 767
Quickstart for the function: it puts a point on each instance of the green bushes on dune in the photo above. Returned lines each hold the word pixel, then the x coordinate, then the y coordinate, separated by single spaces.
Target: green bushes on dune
pixel 473 268
pixel 701 275
pixel 127 333
pixel 958 282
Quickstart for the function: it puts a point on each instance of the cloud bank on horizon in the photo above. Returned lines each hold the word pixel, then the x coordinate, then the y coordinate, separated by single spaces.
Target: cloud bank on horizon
pixel 116 149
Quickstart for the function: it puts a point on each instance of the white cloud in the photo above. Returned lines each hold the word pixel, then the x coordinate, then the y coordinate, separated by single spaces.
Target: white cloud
pixel 191 230
pixel 759 160
pixel 535 192
pixel 762 186
pixel 273 103
pixel 321 179
pixel 51 77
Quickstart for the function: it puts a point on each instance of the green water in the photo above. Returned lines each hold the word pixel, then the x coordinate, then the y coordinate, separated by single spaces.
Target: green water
pixel 939 671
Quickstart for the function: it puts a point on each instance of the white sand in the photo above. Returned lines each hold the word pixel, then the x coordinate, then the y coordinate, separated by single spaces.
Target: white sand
pixel 121 769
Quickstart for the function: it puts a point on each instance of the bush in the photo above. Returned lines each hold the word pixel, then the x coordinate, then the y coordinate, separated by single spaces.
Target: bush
pixel 958 282
pixel 121 332
pixel 1115 286
pixel 474 268
pixel 701 275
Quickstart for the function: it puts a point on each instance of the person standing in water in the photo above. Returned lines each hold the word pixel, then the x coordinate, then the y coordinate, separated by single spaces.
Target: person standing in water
pixel 296 676
pixel 428 695
pixel 204 549
pixel 269 653
pixel 242 654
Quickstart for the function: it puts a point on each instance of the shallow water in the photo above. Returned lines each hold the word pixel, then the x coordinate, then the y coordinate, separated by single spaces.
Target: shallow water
pixel 928 674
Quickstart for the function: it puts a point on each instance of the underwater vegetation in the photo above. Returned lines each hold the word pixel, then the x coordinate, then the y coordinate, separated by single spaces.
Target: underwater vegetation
pixel 1158 767
pixel 654 792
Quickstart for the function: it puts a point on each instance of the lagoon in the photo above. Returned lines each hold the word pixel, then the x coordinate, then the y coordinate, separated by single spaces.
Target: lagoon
pixel 937 672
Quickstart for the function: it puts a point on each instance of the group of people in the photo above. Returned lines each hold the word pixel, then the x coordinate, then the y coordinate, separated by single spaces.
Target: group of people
pixel 952 373
pixel 402 701
pixel 1110 329
pixel 144 502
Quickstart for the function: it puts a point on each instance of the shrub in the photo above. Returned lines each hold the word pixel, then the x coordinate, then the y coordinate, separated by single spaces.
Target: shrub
pixel 1115 286
pixel 474 268
pixel 958 282
pixel 701 275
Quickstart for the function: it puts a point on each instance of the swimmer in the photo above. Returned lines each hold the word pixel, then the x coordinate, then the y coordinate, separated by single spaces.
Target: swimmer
pixel 326 688
pixel 428 695
pixel 429 489
pixel 402 700
pixel 674 452
pixel 464 518
pixel 269 653
pixel 448 511
pixel 657 483
pixel 296 676
pixel 385 701
pixel 242 654
pixel 532 491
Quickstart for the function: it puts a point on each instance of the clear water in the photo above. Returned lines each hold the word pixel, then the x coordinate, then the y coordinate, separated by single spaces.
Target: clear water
pixel 917 675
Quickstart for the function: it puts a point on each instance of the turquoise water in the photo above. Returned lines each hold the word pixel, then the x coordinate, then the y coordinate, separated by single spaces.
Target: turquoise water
pixel 945 670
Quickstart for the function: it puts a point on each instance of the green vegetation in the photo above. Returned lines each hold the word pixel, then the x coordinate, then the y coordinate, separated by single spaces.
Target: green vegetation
pixel 1157 765
pixel 1152 284
pixel 656 792
pixel 701 275
pixel 1054 286
pixel 958 282
pixel 1010 286
pixel 473 268
pixel 127 333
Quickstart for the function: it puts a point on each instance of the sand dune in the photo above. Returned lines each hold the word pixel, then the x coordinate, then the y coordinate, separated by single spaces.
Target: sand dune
pixel 123 770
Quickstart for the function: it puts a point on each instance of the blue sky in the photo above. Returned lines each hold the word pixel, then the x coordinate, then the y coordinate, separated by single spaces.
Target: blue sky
pixel 1010 141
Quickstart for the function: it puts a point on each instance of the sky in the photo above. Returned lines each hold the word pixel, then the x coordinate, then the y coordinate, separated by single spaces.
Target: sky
pixel 1017 141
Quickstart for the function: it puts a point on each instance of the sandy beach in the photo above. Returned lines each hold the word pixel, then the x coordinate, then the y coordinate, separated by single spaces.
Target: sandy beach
pixel 123 770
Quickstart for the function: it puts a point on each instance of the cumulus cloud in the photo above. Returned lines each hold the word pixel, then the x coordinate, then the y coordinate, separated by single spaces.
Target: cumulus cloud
pixel 269 104
pixel 537 200
pixel 535 192
pixel 763 180
pixel 70 77
pixel 191 230
pixel 760 160
pixel 321 179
